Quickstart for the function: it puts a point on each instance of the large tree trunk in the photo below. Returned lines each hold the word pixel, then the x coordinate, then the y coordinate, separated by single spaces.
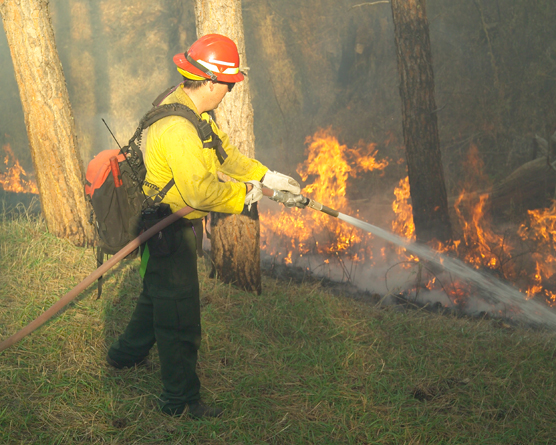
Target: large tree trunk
pixel 235 238
pixel 48 118
pixel 426 177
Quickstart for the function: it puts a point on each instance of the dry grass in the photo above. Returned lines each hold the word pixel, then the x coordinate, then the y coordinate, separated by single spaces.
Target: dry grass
pixel 294 365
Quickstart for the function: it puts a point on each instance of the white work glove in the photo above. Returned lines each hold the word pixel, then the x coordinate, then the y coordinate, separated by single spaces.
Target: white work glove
pixel 255 194
pixel 288 199
pixel 280 182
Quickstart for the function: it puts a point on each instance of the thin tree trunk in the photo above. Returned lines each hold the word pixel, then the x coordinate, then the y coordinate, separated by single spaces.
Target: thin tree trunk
pixel 235 238
pixel 426 176
pixel 48 118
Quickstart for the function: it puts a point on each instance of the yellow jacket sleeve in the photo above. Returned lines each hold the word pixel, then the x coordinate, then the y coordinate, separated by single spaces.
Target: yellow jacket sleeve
pixel 237 165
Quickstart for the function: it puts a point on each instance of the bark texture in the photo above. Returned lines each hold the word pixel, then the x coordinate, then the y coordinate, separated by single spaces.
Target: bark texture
pixel 235 239
pixel 420 128
pixel 48 118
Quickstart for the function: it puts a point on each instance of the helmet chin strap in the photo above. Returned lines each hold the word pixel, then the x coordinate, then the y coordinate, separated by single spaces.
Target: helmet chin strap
pixel 200 67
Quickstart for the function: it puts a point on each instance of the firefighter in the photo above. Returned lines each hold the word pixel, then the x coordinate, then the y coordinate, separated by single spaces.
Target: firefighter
pixel 168 309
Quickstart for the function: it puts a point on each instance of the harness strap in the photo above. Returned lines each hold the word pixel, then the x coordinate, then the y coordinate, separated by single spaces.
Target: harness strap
pixel 204 129
pixel 164 95
pixel 162 193
pixel 216 145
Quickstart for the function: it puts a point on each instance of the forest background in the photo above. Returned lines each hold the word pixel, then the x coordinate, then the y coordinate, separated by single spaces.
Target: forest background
pixel 316 64
pixel 380 376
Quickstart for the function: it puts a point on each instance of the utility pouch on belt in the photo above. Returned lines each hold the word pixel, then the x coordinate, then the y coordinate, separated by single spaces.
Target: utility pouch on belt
pixel 165 242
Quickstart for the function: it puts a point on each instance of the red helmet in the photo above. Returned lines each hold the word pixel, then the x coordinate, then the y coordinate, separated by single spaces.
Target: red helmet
pixel 212 57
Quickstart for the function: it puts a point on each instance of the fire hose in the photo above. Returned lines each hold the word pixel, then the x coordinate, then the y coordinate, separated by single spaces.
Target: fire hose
pixel 115 259
pixel 72 294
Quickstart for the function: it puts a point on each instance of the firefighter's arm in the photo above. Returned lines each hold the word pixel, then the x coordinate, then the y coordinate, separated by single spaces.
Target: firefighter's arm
pixel 243 168
pixel 237 165
pixel 195 175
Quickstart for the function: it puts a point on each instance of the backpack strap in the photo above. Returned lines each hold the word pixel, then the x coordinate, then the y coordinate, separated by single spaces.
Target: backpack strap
pixel 204 129
pixel 164 95
pixel 216 144
pixel 157 199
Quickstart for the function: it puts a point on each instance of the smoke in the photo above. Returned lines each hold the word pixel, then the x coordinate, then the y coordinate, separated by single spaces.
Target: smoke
pixel 335 68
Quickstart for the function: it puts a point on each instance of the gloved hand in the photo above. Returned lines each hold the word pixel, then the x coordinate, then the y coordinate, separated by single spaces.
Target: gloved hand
pixel 253 195
pixel 280 182
pixel 288 199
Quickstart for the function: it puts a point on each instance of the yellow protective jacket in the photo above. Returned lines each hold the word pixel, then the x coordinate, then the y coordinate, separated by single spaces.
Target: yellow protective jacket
pixel 174 149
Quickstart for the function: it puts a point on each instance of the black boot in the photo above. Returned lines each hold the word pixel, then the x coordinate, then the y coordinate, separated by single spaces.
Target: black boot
pixel 198 410
pixel 143 362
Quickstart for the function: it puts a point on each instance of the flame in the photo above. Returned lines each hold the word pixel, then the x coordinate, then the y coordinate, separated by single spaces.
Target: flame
pixel 13 180
pixel 540 232
pixel 293 234
pixel 480 245
pixel 403 224
pixel 299 232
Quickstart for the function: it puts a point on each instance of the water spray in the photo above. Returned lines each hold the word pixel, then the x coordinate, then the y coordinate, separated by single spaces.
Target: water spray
pixel 495 290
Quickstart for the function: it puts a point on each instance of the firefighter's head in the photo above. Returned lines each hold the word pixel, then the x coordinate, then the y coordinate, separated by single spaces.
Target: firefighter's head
pixel 214 58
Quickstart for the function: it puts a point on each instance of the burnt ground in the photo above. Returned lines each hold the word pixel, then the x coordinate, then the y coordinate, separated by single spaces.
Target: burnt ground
pixel 404 301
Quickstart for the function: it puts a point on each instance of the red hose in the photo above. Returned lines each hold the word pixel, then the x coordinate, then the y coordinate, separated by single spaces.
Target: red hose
pixel 72 294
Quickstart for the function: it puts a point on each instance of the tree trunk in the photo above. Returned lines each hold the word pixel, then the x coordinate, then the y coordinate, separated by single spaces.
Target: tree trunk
pixel 48 118
pixel 426 177
pixel 235 238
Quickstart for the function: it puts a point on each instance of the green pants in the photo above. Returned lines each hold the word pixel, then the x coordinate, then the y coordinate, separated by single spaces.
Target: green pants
pixel 168 313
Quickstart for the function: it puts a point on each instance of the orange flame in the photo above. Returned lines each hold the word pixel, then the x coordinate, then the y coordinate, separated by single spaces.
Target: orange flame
pixel 299 232
pixel 480 245
pixel 540 232
pixel 13 180
pixel 403 224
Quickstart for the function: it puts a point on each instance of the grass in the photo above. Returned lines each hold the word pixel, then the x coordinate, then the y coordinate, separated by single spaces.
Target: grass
pixel 295 365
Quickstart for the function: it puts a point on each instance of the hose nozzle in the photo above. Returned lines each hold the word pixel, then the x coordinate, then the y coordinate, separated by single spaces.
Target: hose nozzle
pixel 318 206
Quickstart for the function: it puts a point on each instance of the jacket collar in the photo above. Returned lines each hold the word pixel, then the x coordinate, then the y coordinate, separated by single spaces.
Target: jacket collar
pixel 180 96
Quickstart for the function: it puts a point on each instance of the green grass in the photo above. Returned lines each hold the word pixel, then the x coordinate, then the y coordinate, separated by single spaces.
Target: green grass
pixel 295 365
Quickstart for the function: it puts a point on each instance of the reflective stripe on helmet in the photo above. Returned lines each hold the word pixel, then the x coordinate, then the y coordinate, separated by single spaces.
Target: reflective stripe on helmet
pixel 209 66
pixel 216 69
pixel 221 62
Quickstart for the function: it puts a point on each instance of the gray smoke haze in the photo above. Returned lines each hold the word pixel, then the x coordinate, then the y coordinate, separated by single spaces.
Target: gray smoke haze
pixel 336 68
